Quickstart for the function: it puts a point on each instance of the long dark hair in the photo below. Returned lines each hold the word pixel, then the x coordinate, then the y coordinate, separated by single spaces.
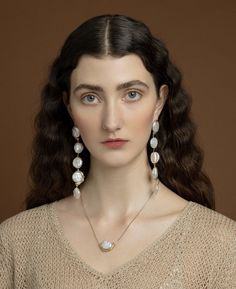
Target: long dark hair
pixel 181 159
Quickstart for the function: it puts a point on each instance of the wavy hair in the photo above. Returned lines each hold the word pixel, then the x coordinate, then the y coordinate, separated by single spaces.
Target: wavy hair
pixel 181 159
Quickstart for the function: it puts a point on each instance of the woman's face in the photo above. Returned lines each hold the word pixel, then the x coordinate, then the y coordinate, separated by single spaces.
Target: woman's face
pixel 114 98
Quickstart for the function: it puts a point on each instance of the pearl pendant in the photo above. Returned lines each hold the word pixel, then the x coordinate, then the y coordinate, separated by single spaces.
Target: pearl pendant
pixel 106 246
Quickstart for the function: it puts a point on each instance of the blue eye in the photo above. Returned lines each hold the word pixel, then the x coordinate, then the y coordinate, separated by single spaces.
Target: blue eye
pixel 89 97
pixel 133 94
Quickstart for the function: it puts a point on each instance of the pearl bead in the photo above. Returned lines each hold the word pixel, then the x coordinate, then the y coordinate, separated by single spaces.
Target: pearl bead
pixel 76 193
pixel 78 147
pixel 78 177
pixel 75 132
pixel 153 142
pixel 77 162
pixel 155 126
pixel 154 157
pixel 155 172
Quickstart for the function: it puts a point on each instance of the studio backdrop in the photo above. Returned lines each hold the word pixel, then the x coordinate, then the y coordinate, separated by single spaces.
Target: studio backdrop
pixel 200 36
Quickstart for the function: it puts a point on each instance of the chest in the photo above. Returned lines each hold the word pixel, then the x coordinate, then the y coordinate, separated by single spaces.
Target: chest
pixel 140 235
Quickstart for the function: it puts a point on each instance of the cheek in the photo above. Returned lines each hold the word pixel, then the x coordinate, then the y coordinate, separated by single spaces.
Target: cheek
pixel 87 129
pixel 144 121
pixel 86 122
pixel 141 121
pixel 143 128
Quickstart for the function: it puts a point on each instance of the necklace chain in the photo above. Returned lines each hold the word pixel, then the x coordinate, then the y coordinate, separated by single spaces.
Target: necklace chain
pixel 111 245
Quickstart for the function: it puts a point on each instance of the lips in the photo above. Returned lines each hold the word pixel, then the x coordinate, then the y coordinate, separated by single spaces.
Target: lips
pixel 114 140
pixel 117 143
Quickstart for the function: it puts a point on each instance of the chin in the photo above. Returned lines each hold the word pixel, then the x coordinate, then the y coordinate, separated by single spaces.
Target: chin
pixel 117 161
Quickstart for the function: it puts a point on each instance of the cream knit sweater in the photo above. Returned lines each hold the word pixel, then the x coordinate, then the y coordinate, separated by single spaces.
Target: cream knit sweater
pixel 197 251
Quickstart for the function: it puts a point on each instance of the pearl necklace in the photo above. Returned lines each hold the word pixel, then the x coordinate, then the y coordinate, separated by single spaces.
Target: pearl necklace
pixel 106 245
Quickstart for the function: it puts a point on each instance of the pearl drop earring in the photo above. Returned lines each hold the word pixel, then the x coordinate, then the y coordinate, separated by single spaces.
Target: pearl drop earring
pixel 154 155
pixel 78 176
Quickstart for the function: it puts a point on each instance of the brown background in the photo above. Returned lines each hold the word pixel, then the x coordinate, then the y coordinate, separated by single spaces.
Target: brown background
pixel 200 36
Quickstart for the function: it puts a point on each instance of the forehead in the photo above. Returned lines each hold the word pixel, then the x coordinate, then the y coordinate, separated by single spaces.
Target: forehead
pixel 109 70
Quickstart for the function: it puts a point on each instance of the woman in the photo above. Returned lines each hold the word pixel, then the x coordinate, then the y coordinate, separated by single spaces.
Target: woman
pixel 119 199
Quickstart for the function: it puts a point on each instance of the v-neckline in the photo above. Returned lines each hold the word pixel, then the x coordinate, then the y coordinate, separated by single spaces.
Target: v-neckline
pixel 67 247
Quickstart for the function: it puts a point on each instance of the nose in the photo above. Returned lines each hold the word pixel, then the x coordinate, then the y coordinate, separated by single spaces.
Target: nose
pixel 111 120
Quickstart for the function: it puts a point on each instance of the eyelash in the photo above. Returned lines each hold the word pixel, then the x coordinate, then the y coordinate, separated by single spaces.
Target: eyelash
pixel 140 95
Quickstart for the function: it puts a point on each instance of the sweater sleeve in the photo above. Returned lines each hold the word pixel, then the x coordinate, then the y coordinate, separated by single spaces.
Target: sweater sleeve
pixel 6 262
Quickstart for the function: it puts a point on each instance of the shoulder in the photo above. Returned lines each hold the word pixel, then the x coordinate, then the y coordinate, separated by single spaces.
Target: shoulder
pixel 214 222
pixel 212 229
pixel 24 223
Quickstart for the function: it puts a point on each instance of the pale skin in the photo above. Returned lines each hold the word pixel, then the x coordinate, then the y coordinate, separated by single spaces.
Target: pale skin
pixel 118 183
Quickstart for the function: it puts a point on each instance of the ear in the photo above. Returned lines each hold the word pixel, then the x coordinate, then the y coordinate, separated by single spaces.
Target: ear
pixel 163 93
pixel 67 103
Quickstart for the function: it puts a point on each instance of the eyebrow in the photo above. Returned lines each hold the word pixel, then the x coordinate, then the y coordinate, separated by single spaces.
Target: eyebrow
pixel 119 86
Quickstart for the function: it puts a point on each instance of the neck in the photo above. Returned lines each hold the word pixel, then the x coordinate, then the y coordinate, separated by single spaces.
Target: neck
pixel 117 192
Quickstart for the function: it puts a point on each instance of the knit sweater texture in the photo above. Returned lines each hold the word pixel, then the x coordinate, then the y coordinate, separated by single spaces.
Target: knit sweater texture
pixel 197 251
